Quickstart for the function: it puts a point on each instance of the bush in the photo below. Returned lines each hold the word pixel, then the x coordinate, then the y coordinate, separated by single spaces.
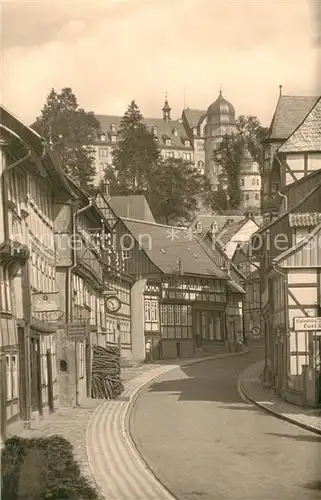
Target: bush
pixel 42 468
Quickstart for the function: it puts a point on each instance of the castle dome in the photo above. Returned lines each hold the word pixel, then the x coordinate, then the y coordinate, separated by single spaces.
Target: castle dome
pixel 221 111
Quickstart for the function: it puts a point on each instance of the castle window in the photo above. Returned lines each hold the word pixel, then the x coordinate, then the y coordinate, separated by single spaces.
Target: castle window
pixel 247 197
pixel 241 182
pixel 253 182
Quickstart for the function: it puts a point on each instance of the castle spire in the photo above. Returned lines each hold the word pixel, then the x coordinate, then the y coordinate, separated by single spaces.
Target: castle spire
pixel 166 109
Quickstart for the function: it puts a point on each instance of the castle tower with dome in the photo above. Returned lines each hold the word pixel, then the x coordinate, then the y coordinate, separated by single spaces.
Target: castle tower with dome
pixel 220 120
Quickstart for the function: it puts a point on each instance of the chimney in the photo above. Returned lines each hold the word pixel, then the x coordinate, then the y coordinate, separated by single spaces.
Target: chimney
pixel 280 90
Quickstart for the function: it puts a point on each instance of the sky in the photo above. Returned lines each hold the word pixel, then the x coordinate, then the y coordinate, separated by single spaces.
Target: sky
pixel 113 51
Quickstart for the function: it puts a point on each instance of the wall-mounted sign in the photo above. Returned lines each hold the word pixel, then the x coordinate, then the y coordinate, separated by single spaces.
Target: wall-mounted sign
pixel 77 331
pixel 45 302
pixel 305 324
pixel 113 304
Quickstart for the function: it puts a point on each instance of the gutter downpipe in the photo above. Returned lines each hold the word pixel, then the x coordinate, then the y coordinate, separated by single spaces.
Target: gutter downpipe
pixel 4 186
pixel 69 286
pixel 286 324
pixel 285 199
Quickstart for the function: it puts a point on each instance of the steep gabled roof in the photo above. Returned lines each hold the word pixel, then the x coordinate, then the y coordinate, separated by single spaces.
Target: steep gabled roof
pixel 307 135
pixel 165 129
pixel 193 116
pixel 289 113
pixel 164 245
pixel 134 207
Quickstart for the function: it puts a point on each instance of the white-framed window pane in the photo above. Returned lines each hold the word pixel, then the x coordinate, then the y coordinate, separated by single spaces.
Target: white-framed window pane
pixel 8 377
pixel 14 370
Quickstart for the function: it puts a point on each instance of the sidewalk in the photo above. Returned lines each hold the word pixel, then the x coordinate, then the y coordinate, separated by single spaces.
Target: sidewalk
pixel 119 471
pixel 98 432
pixel 251 387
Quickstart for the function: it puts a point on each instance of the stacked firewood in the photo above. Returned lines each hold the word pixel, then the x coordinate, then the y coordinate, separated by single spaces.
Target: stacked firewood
pixel 106 381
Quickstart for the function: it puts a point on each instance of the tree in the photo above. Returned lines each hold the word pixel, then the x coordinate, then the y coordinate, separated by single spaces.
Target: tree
pixel 176 191
pixel 229 157
pixel 250 128
pixel 70 130
pixel 135 155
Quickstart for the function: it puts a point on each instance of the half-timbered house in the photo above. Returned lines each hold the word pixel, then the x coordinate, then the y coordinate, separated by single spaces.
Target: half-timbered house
pixel 289 249
pixel 180 295
pixel 31 183
pixel 289 113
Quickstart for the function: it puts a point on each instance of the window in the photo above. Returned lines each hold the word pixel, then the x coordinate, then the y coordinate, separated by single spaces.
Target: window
pixel 103 152
pixel 113 138
pixel 188 156
pixel 5 291
pixel 151 314
pixel 275 187
pixel 200 146
pixel 155 130
pixel 12 376
pixel 175 132
pixel 257 197
pixel 81 359
pixel 257 182
pixel 247 196
pixel 253 182
pixel 125 254
pixel 168 142
pixel 187 143
pixel 113 127
pixel 103 137
pixel 241 182
pixel 176 321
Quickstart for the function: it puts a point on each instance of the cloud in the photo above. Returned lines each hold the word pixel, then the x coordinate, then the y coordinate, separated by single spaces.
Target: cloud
pixel 112 52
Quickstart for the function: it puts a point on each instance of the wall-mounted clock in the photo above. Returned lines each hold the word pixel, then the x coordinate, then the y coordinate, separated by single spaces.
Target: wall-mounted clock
pixel 113 304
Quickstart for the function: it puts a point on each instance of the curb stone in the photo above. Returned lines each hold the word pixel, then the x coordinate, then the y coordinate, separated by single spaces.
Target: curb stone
pixel 275 413
pixel 109 442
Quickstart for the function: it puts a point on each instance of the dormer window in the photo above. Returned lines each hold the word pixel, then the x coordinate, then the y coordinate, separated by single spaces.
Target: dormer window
pixel 194 131
pixel 113 127
pixel 155 130
pixel 175 132
pixel 103 137
pixel 199 226
pixel 113 138
pixel 168 142
pixel 187 143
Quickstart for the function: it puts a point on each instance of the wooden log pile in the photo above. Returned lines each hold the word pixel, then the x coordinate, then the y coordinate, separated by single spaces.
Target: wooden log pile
pixel 106 380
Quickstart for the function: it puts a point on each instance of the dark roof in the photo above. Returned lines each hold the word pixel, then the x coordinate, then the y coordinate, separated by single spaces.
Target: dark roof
pixel 135 207
pixel 165 128
pixel 289 113
pixel 30 139
pixel 307 136
pixel 193 116
pixel 164 245
pixel 230 230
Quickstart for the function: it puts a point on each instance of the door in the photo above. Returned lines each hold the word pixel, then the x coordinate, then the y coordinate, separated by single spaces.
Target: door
pixel 35 372
pixel 198 329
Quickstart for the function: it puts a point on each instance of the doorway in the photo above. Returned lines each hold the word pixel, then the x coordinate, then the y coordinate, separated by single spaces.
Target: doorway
pixel 35 372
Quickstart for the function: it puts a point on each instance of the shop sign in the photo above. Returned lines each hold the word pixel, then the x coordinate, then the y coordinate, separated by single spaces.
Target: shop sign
pixel 45 302
pixel 306 324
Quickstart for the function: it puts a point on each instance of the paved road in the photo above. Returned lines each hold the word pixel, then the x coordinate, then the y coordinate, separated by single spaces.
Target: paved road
pixel 205 443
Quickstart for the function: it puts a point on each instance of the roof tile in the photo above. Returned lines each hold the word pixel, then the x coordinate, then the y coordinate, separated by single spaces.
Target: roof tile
pixel 164 245
pixel 307 136
pixel 289 113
